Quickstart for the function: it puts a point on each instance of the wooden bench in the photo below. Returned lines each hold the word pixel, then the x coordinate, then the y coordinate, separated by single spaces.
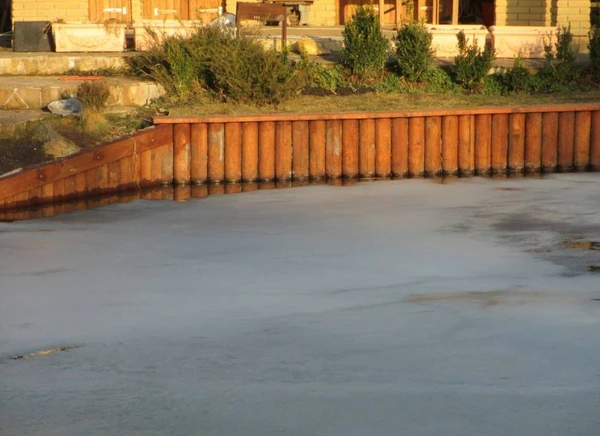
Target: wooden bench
pixel 263 12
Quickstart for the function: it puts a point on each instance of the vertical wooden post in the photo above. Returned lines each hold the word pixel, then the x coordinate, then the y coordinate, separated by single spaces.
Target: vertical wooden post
pixel 145 170
pixel 595 142
pixel 483 141
pixel 433 145
pixel 283 150
pixel 383 147
pixel 71 188
pixel 583 128
pixel 333 149
pixel 416 146
pixel 58 189
pixel 168 167
pixel 533 142
pixel 450 144
pixel 499 142
pixel 181 154
pixel 366 163
pixel 199 153
pixel 399 147
pixel 216 152
pixel 300 153
pixel 465 145
pixel 81 182
pixel 249 151
pixel 233 152
pixel 516 142
pixel 549 141
pixel 317 149
pixel 350 139
pixel 157 166
pixel 566 141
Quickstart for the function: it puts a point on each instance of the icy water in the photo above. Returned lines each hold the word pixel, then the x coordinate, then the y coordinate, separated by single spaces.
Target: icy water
pixel 386 308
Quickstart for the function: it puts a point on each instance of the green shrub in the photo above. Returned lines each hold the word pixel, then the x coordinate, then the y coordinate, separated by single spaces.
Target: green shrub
pixel 472 65
pixel 594 47
pixel 559 72
pixel 391 84
pixel 93 95
pixel 518 78
pixel 249 74
pixel 437 80
pixel 318 76
pixel 365 49
pixel 213 60
pixel 414 55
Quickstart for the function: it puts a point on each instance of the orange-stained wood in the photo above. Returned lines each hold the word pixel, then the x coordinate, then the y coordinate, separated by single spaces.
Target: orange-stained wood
pixel 465 145
pixel 35 194
pixel 499 142
pixel 233 152
pixel 483 143
pixel 113 178
pixel 382 114
pixel 181 154
pixel 80 184
pixel 399 147
pixel 300 153
pixel 516 142
pixel 533 142
pixel 145 170
pixel 416 146
pixel 216 153
pixel 266 151
pixel 283 150
pixel 433 145
pixel 595 142
pixel 157 165
pixel 249 152
pixel 81 162
pixel 350 140
pixel 450 144
pixel 199 153
pixel 182 193
pixel 167 168
pixel 383 147
pixel 366 150
pixel 333 149
pixel 566 141
pixel 317 149
pixel 549 141
pixel 58 190
pixel 583 129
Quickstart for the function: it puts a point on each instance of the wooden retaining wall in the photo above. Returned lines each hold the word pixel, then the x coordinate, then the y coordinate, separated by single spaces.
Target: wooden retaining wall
pixel 282 147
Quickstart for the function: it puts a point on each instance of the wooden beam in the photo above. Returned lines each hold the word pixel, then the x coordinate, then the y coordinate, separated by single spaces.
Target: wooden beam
pixel 381 11
pixel 455 11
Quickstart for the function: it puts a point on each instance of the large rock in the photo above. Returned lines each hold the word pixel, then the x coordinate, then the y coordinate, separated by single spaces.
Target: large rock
pixel 310 47
pixel 53 143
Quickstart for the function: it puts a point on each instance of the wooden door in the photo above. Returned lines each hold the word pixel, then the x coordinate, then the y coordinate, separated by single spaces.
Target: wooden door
pixel 103 10
pixel 204 10
pixel 165 9
pixel 349 7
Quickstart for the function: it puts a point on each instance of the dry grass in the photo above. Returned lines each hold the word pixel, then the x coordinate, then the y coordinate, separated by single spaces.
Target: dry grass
pixel 382 102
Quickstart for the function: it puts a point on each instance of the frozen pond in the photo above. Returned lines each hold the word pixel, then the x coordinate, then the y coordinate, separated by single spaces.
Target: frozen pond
pixel 385 308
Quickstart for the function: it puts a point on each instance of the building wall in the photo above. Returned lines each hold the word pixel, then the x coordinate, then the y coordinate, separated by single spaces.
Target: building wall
pixel 573 13
pixel 50 10
pixel 322 12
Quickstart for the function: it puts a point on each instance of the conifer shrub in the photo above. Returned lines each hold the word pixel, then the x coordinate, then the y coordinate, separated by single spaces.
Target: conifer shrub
pixel 365 51
pixel 472 65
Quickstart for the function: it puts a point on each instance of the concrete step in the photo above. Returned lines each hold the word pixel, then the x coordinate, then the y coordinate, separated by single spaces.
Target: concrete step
pixel 35 92
pixel 46 63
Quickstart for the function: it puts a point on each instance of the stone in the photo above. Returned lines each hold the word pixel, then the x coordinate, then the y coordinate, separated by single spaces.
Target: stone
pixel 524 41
pixel 444 40
pixel 309 46
pixel 88 37
pixel 54 144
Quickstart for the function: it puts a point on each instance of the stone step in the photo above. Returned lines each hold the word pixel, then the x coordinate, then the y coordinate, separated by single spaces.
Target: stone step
pixel 42 63
pixel 35 92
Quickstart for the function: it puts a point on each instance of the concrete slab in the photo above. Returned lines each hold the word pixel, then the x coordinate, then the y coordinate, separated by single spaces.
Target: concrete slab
pixel 386 308
pixel 27 92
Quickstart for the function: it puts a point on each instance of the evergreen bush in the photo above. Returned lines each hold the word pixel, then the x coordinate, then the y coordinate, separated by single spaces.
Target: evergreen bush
pixel 472 65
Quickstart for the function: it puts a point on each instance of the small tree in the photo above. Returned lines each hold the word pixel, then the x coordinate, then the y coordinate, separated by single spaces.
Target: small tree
pixel 472 65
pixel 365 47
pixel 414 55
pixel 594 47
